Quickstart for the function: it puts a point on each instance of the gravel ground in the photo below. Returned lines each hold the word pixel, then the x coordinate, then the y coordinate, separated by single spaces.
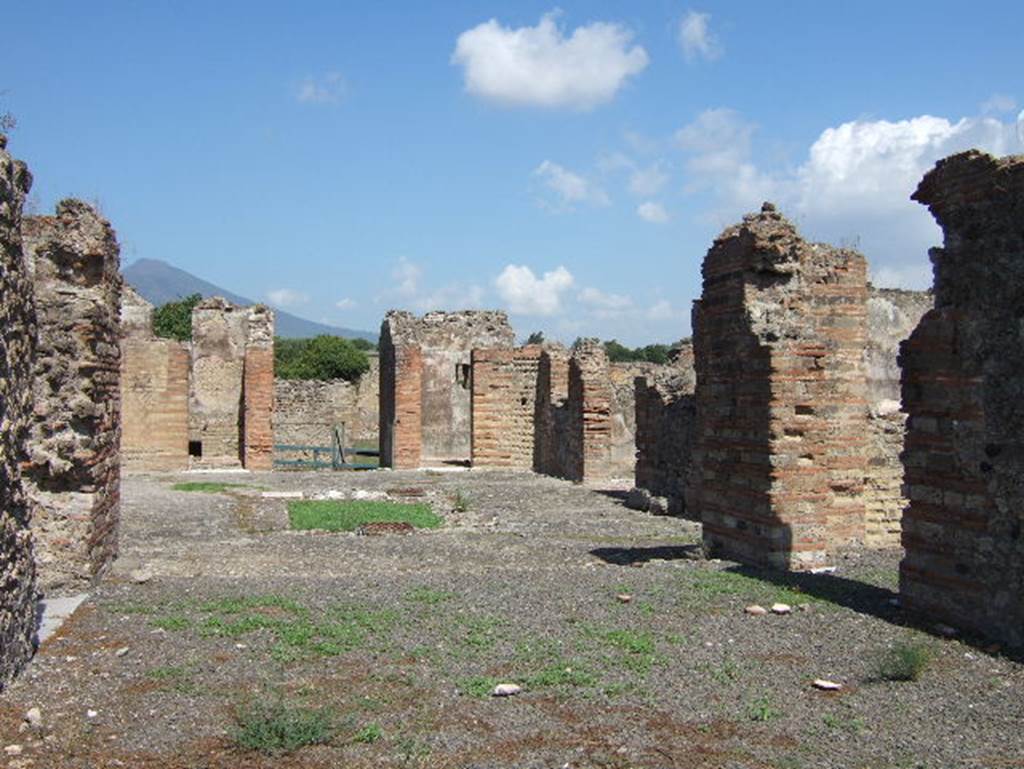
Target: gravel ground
pixel 400 638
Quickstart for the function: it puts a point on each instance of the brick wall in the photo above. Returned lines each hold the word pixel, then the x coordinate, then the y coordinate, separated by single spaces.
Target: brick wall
pixel 504 384
pixel 589 438
pixel 75 443
pixel 258 390
pixel 408 399
pixel 962 388
pixel 781 411
pixel 549 456
pixel 18 592
pixel 154 405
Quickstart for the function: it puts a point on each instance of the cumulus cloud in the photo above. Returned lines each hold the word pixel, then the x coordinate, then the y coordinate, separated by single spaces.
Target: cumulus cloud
pixel 696 38
pixel 998 103
pixel 653 212
pixel 569 188
pixel 604 305
pixel 326 89
pixel 406 275
pixel 286 297
pixel 346 304
pixel 541 66
pixel 645 182
pixel 855 183
pixel 526 294
pixel 454 296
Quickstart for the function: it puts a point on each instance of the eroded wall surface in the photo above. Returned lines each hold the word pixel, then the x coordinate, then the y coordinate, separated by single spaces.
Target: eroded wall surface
pixel 154 392
pixel 74 464
pixel 963 388
pixel 504 407
pixel 779 334
pixel 258 390
pixel 18 591
pixel 588 439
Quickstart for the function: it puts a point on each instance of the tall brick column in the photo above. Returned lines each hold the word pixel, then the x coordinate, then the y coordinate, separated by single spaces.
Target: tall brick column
pixel 504 407
pixel 258 390
pixel 76 433
pixel 590 406
pixel 963 389
pixel 779 335
pixel 18 593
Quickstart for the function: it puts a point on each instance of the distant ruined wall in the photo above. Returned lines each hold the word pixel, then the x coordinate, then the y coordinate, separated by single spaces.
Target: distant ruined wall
pixel 963 388
pixel 504 406
pixel 74 464
pixel 18 591
pixel 666 431
pixel 306 410
pixel 779 334
pixel 154 392
pixel 425 400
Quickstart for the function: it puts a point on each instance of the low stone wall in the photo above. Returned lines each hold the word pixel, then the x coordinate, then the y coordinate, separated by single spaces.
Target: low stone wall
pixel 18 592
pixel 76 433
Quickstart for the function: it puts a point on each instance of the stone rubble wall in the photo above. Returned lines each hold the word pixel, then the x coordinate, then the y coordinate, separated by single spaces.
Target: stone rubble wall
pixel 782 427
pixel 18 586
pixel 258 390
pixel 438 429
pixel 74 464
pixel 504 407
pixel 963 389
pixel 306 411
pixel 154 392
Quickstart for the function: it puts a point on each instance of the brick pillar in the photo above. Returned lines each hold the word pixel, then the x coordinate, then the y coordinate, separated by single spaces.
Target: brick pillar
pixel 504 407
pixel 258 390
pixel 407 428
pixel 779 335
pixel 590 408
pixel 963 375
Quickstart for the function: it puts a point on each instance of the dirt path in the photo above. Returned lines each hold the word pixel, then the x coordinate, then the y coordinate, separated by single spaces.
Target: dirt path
pixel 398 641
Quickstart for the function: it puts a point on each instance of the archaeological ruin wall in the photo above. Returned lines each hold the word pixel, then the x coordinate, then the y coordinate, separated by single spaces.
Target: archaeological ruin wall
pixel 588 439
pixel 504 407
pixel 154 392
pixel 258 390
pixel 963 389
pixel 74 464
pixel 425 383
pixel 779 334
pixel 552 411
pixel 18 587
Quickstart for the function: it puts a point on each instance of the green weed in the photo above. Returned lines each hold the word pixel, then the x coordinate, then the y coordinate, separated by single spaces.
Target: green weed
pixel 208 487
pixel 904 661
pixel 276 727
pixel 348 515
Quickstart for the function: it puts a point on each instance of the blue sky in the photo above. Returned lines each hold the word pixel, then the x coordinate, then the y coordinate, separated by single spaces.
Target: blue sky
pixel 570 164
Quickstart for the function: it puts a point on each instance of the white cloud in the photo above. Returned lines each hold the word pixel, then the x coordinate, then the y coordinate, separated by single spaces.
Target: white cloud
pixel 326 89
pixel 540 66
pixel 661 310
pixel 454 296
pixel 647 182
pixel 568 187
pixel 998 103
pixel 406 275
pixel 652 212
pixel 346 304
pixel 855 183
pixel 525 294
pixel 604 305
pixel 286 297
pixel 696 38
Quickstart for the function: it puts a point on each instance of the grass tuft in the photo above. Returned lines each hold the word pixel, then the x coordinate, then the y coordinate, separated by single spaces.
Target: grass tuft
pixel 368 734
pixel 349 515
pixel 904 661
pixel 275 727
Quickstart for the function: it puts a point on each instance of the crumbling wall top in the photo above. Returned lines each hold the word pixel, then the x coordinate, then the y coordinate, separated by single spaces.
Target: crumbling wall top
pixel 260 324
pixel 76 246
pixel 136 313
pixel 465 329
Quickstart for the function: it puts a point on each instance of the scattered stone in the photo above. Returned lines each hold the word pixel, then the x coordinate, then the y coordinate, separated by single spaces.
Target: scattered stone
pixel 658 506
pixel 781 608
pixel 946 631
pixel 282 495
pixel 638 499
pixel 506 690
pixel 13 750
pixel 121 652
pixel 91 713
pixel 624 597
pixel 755 610
pixel 803 607
pixel 824 570
pixel 140 576
pixel 825 685
pixel 34 717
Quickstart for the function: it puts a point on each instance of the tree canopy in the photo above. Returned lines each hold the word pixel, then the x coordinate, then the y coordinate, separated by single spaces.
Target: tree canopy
pixel 174 319
pixel 322 357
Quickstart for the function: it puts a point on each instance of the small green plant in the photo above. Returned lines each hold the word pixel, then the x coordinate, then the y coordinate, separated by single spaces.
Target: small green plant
pixel 349 515
pixel 460 503
pixel 904 661
pixel 208 487
pixel 368 734
pixel 839 723
pixel 762 710
pixel 172 622
pixel 276 727
pixel 562 674
pixel 478 686
pixel 428 595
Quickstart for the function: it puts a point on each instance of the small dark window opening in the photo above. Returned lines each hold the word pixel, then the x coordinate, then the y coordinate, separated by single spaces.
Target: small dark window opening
pixel 462 375
pixel 195 449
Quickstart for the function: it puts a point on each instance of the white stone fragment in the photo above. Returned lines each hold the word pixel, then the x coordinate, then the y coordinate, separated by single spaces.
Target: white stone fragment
pixel 781 608
pixel 825 685
pixel 755 610
pixel 506 690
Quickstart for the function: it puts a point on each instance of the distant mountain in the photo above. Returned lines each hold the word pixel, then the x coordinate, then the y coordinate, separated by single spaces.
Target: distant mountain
pixel 160 283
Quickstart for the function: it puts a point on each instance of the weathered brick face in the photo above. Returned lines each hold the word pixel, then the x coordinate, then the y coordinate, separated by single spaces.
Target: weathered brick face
pixel 154 392
pixel 780 396
pixel 505 407
pixel 76 433
pixel 258 390
pixel 549 456
pixel 18 592
pixel 963 379
pixel 589 437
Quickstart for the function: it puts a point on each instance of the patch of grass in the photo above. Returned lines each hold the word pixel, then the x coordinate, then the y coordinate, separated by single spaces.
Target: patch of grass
pixel 460 502
pixel 478 686
pixel 562 674
pixel 172 622
pixel 240 604
pixel 842 723
pixel 762 709
pixel 348 515
pixel 428 595
pixel 904 661
pixel 276 727
pixel 368 734
pixel 208 487
pixel 176 677
pixel 481 632
pixel 630 641
pixel 725 673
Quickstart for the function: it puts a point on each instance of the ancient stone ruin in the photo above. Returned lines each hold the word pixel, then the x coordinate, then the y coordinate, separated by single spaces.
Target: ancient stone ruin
pixel 963 388
pixel 779 334
pixel 74 462
pixel 18 591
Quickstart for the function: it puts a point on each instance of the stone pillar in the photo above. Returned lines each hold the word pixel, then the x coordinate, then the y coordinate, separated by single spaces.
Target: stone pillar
pixel 552 412
pixel 76 432
pixel 504 390
pixel 963 389
pixel 779 334
pixel 18 593
pixel 590 406
pixel 258 390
